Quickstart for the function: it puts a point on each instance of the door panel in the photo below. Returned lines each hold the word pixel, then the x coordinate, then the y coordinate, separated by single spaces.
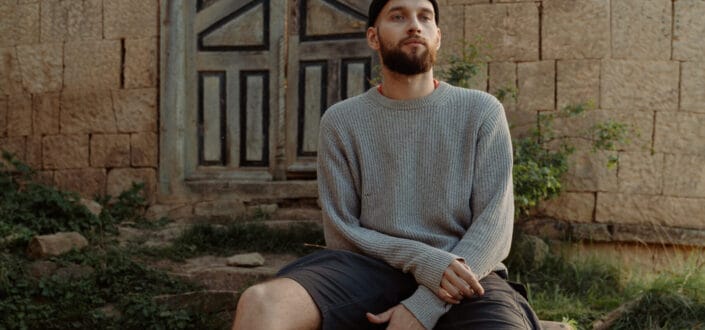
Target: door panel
pixel 328 61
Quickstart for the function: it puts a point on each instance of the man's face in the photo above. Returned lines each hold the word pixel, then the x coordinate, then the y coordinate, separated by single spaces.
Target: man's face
pixel 407 36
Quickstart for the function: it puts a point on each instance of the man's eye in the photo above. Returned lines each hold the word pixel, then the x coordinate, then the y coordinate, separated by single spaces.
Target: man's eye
pixel 397 17
pixel 426 18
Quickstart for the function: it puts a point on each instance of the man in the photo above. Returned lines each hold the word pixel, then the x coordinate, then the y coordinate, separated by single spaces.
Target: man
pixel 416 192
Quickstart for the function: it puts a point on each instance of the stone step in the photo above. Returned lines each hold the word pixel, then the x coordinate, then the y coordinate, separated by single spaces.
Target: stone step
pixel 214 274
pixel 221 280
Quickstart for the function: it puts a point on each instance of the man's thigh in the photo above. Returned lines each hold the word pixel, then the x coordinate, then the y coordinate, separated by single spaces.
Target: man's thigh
pixel 346 285
pixel 501 307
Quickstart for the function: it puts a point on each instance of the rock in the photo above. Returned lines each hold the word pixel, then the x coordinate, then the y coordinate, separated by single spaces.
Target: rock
pixel 92 206
pixel 56 244
pixel 246 260
pixel 552 325
pixel 528 252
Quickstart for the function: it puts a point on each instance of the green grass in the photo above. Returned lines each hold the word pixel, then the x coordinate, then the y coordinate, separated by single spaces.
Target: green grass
pixel 586 289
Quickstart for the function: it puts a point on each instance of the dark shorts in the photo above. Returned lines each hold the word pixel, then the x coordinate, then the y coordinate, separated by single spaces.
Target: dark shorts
pixel 347 285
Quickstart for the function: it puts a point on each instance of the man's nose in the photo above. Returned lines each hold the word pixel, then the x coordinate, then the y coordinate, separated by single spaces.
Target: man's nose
pixel 414 26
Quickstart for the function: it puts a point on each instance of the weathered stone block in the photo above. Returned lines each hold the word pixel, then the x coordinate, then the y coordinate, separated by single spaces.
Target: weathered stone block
pixel 502 80
pixel 46 113
pixel 65 151
pixel 45 177
pixel 245 260
pixel 650 209
pixel 684 176
pixel 136 110
pixel 14 145
pixel 92 65
pixel 3 116
pixel 638 131
pixel 33 156
pixel 513 29
pixel 68 20
pixel 640 173
pixel 179 211
pixel 87 112
pixel 451 27
pixel 575 29
pixel 10 74
pixel 578 82
pixel 144 149
pixel 639 85
pixel 41 66
pixel 588 171
pixel 141 67
pixel 693 86
pixel 680 133
pixel 19 24
pixel 19 115
pixel 536 86
pixel 641 29
pixel 88 182
pixel 688 30
pixel 110 150
pixel 220 208
pixel 121 179
pixel 463 2
pixel 42 246
pixel 130 18
pixel 570 206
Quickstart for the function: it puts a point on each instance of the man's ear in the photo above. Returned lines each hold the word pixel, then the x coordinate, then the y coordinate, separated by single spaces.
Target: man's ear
pixel 372 38
pixel 439 39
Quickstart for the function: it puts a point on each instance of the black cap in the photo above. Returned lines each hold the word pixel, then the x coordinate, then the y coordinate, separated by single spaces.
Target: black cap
pixel 377 5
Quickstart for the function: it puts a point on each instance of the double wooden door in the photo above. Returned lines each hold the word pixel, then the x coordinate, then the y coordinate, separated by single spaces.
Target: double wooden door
pixel 263 72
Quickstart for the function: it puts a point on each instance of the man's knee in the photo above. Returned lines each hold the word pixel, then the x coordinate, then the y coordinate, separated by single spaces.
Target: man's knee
pixel 256 297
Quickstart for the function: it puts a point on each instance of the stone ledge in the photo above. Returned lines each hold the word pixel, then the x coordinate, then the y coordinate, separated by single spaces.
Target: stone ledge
pixel 258 190
pixel 601 232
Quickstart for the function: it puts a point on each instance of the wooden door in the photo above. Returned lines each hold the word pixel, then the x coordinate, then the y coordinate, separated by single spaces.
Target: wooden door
pixel 245 84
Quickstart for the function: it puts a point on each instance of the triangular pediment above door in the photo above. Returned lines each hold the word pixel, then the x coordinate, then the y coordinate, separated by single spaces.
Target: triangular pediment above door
pixel 330 20
pixel 245 28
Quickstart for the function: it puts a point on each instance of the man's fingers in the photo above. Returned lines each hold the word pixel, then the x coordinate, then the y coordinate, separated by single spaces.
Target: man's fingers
pixel 447 297
pixel 451 288
pixel 465 273
pixel 380 318
pixel 459 285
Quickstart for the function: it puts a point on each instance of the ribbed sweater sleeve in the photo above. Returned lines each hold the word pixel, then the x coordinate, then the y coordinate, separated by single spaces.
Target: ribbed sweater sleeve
pixel 418 184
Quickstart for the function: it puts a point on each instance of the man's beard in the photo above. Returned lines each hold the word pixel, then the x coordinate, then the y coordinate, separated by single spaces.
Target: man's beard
pixel 407 64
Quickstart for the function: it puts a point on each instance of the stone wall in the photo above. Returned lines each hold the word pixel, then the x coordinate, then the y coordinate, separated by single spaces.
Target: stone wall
pixel 641 62
pixel 78 91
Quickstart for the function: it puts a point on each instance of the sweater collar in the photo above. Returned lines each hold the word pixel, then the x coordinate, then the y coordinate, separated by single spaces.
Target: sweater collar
pixel 432 99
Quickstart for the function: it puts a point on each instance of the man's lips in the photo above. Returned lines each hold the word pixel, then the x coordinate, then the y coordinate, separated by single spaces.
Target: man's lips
pixel 414 41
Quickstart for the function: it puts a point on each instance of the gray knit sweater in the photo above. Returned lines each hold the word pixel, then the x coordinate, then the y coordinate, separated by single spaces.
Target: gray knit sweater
pixel 419 183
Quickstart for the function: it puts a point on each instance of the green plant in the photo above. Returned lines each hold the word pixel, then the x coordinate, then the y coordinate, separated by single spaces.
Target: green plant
pixel 28 208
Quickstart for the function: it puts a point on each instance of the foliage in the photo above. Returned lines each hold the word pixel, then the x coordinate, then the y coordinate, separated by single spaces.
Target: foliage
pixel 60 302
pixel 672 301
pixel 541 158
pixel 28 208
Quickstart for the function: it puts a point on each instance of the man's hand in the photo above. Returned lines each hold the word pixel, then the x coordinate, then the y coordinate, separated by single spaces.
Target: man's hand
pixel 399 318
pixel 459 281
